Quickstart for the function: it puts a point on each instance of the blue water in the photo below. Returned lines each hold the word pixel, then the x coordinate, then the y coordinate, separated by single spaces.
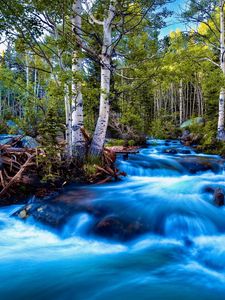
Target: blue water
pixel 181 254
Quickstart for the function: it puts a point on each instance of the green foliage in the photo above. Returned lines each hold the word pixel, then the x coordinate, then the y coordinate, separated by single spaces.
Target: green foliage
pixel 52 161
pixel 90 165
pixel 114 142
pixel 3 127
pixel 164 127
pixel 131 143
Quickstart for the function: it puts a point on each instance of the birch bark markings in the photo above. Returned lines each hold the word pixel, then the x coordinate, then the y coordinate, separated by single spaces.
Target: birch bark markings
pixel 181 101
pixel 220 130
pixel 78 141
pixel 69 148
pixel 105 60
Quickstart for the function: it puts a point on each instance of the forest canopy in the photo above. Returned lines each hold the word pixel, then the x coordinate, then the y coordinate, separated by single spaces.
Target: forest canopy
pixel 103 66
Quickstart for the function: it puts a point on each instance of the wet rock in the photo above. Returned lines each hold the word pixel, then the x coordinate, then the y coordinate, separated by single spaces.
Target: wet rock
pixel 208 189
pixel 200 164
pixel 23 214
pixel 118 229
pixel 56 211
pixel 53 215
pixel 184 151
pixel 185 135
pixel 189 139
pixel 188 242
pixel 218 197
pixel 170 151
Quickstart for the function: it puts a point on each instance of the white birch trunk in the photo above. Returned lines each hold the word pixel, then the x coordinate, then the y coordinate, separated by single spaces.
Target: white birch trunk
pixel 220 130
pixel 69 148
pixel 181 101
pixel 102 123
pixel 27 70
pixel 0 101
pixel 35 82
pixel 78 140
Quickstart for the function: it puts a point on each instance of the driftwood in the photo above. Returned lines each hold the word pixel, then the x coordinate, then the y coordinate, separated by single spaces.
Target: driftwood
pixel 14 163
pixel 18 167
pixel 107 171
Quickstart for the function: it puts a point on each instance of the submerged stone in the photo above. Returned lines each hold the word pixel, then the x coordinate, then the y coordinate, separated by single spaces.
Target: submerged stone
pixel 170 151
pixel 201 164
pixel 184 151
pixel 56 211
pixel 118 228
pixel 218 197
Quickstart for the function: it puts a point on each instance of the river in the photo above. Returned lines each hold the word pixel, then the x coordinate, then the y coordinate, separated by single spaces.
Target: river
pixel 177 253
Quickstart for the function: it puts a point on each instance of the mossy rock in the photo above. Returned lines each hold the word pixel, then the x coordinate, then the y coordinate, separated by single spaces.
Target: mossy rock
pixel 196 121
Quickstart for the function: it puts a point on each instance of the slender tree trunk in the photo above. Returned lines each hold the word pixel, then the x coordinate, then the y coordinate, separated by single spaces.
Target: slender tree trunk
pixel 69 148
pixel 181 101
pixel 220 130
pixel 0 101
pixel 102 123
pixel 78 140
pixel 27 69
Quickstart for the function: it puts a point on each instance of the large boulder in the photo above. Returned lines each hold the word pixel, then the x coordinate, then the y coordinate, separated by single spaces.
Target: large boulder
pixel 25 142
pixel 189 139
pixel 201 164
pixel 191 122
pixel 56 210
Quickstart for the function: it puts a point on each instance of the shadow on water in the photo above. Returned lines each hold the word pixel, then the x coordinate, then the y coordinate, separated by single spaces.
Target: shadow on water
pixel 157 234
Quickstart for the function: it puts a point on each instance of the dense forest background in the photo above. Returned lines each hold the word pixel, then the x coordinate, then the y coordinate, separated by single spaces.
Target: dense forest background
pixel 69 65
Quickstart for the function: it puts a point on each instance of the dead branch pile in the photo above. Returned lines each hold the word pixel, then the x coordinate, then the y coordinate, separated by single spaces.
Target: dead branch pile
pixel 14 164
pixel 19 168
pixel 107 171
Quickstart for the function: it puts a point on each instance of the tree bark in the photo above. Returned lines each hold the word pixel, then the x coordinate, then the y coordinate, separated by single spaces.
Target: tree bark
pixel 181 101
pixel 78 140
pixel 69 148
pixel 220 129
pixel 103 119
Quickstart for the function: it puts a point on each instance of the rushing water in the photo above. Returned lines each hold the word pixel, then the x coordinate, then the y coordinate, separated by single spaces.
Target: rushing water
pixel 179 255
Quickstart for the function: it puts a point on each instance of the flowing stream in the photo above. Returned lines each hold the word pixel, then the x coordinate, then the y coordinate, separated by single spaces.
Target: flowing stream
pixel 172 245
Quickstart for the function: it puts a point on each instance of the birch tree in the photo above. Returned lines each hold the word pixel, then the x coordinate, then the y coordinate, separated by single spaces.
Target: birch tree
pixel 121 19
pixel 206 15
pixel 78 141
pixel 106 67
pixel 220 131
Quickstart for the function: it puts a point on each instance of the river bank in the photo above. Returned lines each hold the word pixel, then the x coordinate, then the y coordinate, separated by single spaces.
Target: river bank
pixel 28 168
